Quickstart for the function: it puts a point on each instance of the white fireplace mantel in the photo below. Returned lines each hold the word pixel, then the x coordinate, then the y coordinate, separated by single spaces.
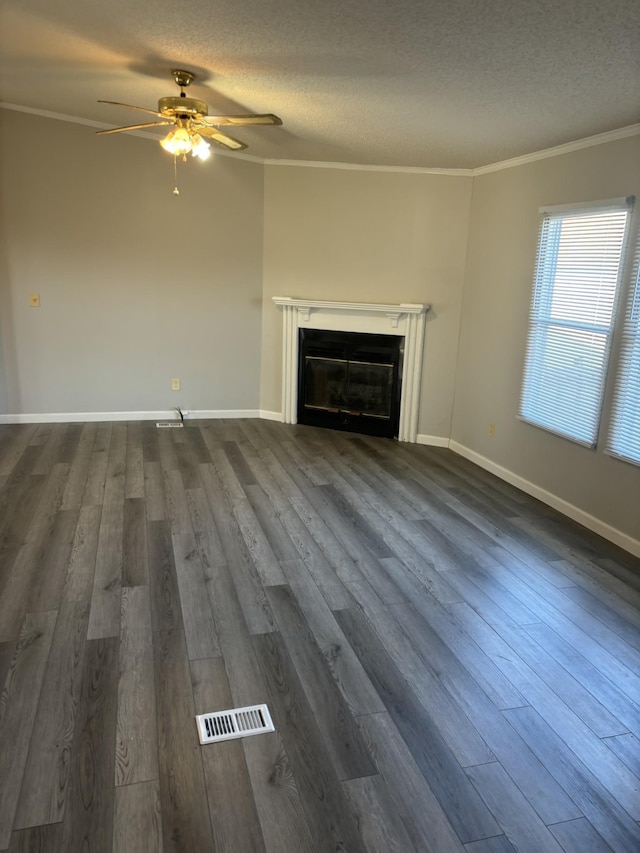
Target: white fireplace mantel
pixel 406 320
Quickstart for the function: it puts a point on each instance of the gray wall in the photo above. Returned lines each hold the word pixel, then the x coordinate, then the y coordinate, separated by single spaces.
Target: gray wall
pixel 502 245
pixel 137 286
pixel 368 236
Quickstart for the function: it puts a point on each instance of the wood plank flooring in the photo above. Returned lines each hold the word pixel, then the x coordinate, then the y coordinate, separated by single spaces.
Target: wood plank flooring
pixel 451 666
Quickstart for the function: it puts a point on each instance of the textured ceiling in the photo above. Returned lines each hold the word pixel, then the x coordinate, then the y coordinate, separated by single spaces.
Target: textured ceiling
pixel 428 83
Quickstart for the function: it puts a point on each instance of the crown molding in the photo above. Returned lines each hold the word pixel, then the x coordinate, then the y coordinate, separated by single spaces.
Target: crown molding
pixel 556 151
pixel 360 167
pixel 18 108
pixel 144 134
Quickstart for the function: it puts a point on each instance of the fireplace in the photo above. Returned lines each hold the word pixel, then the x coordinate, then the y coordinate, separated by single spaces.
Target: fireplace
pixel 350 381
pixel 405 321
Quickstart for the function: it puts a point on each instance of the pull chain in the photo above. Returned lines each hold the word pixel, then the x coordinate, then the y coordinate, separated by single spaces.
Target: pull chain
pixel 176 191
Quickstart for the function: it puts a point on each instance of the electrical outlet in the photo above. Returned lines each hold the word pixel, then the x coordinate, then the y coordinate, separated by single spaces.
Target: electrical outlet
pixel 34 300
pixel 175 384
pixel 492 430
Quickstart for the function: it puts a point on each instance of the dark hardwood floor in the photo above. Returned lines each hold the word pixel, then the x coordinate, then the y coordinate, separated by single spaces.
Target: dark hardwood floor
pixel 450 665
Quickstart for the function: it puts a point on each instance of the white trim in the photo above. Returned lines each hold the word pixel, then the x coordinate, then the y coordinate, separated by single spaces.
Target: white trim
pixel 199 414
pixel 362 167
pixel 393 311
pixel 432 440
pixel 558 150
pixel 628 543
pixel 406 320
pixel 575 513
pixel 604 204
pixel 62 117
pixel 165 415
pixel 216 414
pixel 101 125
pixel 543 154
pixel 270 416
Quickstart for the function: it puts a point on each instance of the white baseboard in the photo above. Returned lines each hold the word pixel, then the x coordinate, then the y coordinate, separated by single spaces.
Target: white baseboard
pixel 170 414
pixel 589 521
pixel 216 414
pixel 432 440
pixel 575 513
pixel 270 416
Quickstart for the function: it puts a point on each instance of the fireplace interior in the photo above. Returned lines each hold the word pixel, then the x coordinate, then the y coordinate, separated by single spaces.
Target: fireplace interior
pixel 350 381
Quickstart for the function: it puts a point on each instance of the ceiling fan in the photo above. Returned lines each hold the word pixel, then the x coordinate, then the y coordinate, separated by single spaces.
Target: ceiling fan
pixel 191 122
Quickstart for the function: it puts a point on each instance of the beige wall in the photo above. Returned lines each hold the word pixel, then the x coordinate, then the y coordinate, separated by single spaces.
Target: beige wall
pixel 367 236
pixel 137 286
pixel 503 235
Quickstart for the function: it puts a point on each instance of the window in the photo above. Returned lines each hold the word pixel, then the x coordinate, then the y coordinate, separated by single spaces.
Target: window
pixel 624 435
pixel 572 317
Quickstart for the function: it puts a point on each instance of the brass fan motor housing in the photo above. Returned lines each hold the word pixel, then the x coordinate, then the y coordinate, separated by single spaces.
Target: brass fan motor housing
pixel 170 107
pixel 183 78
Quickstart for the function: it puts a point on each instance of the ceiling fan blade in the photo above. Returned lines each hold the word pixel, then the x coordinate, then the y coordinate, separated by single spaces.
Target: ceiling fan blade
pixel 221 121
pixel 220 137
pixel 133 127
pixel 131 107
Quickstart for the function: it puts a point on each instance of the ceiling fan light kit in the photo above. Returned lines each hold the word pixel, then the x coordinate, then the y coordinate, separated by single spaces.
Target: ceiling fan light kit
pixel 180 142
pixel 191 122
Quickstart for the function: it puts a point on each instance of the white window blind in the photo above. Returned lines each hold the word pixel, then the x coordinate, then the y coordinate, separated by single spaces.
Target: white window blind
pixel 624 433
pixel 572 317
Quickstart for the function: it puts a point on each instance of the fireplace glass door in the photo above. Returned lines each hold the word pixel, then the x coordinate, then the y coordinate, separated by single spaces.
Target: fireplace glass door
pixel 350 381
pixel 355 387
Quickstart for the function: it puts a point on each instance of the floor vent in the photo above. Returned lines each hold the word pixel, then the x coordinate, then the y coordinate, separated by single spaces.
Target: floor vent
pixel 169 424
pixel 236 722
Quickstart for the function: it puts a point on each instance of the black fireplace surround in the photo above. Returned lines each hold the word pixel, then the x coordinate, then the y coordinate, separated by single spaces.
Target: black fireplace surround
pixel 350 381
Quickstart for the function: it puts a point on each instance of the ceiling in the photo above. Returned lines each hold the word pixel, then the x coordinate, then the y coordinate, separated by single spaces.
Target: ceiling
pixel 449 84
